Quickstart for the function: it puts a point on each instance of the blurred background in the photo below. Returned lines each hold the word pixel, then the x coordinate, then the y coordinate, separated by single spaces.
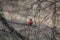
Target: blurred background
pixel 44 13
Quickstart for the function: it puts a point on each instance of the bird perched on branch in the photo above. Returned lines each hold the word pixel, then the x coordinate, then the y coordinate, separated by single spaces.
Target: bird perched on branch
pixel 30 22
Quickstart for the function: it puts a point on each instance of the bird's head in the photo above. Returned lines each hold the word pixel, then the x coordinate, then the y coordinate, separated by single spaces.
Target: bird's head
pixel 30 19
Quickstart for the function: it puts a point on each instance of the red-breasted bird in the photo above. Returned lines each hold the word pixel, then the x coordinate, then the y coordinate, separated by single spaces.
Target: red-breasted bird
pixel 30 22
